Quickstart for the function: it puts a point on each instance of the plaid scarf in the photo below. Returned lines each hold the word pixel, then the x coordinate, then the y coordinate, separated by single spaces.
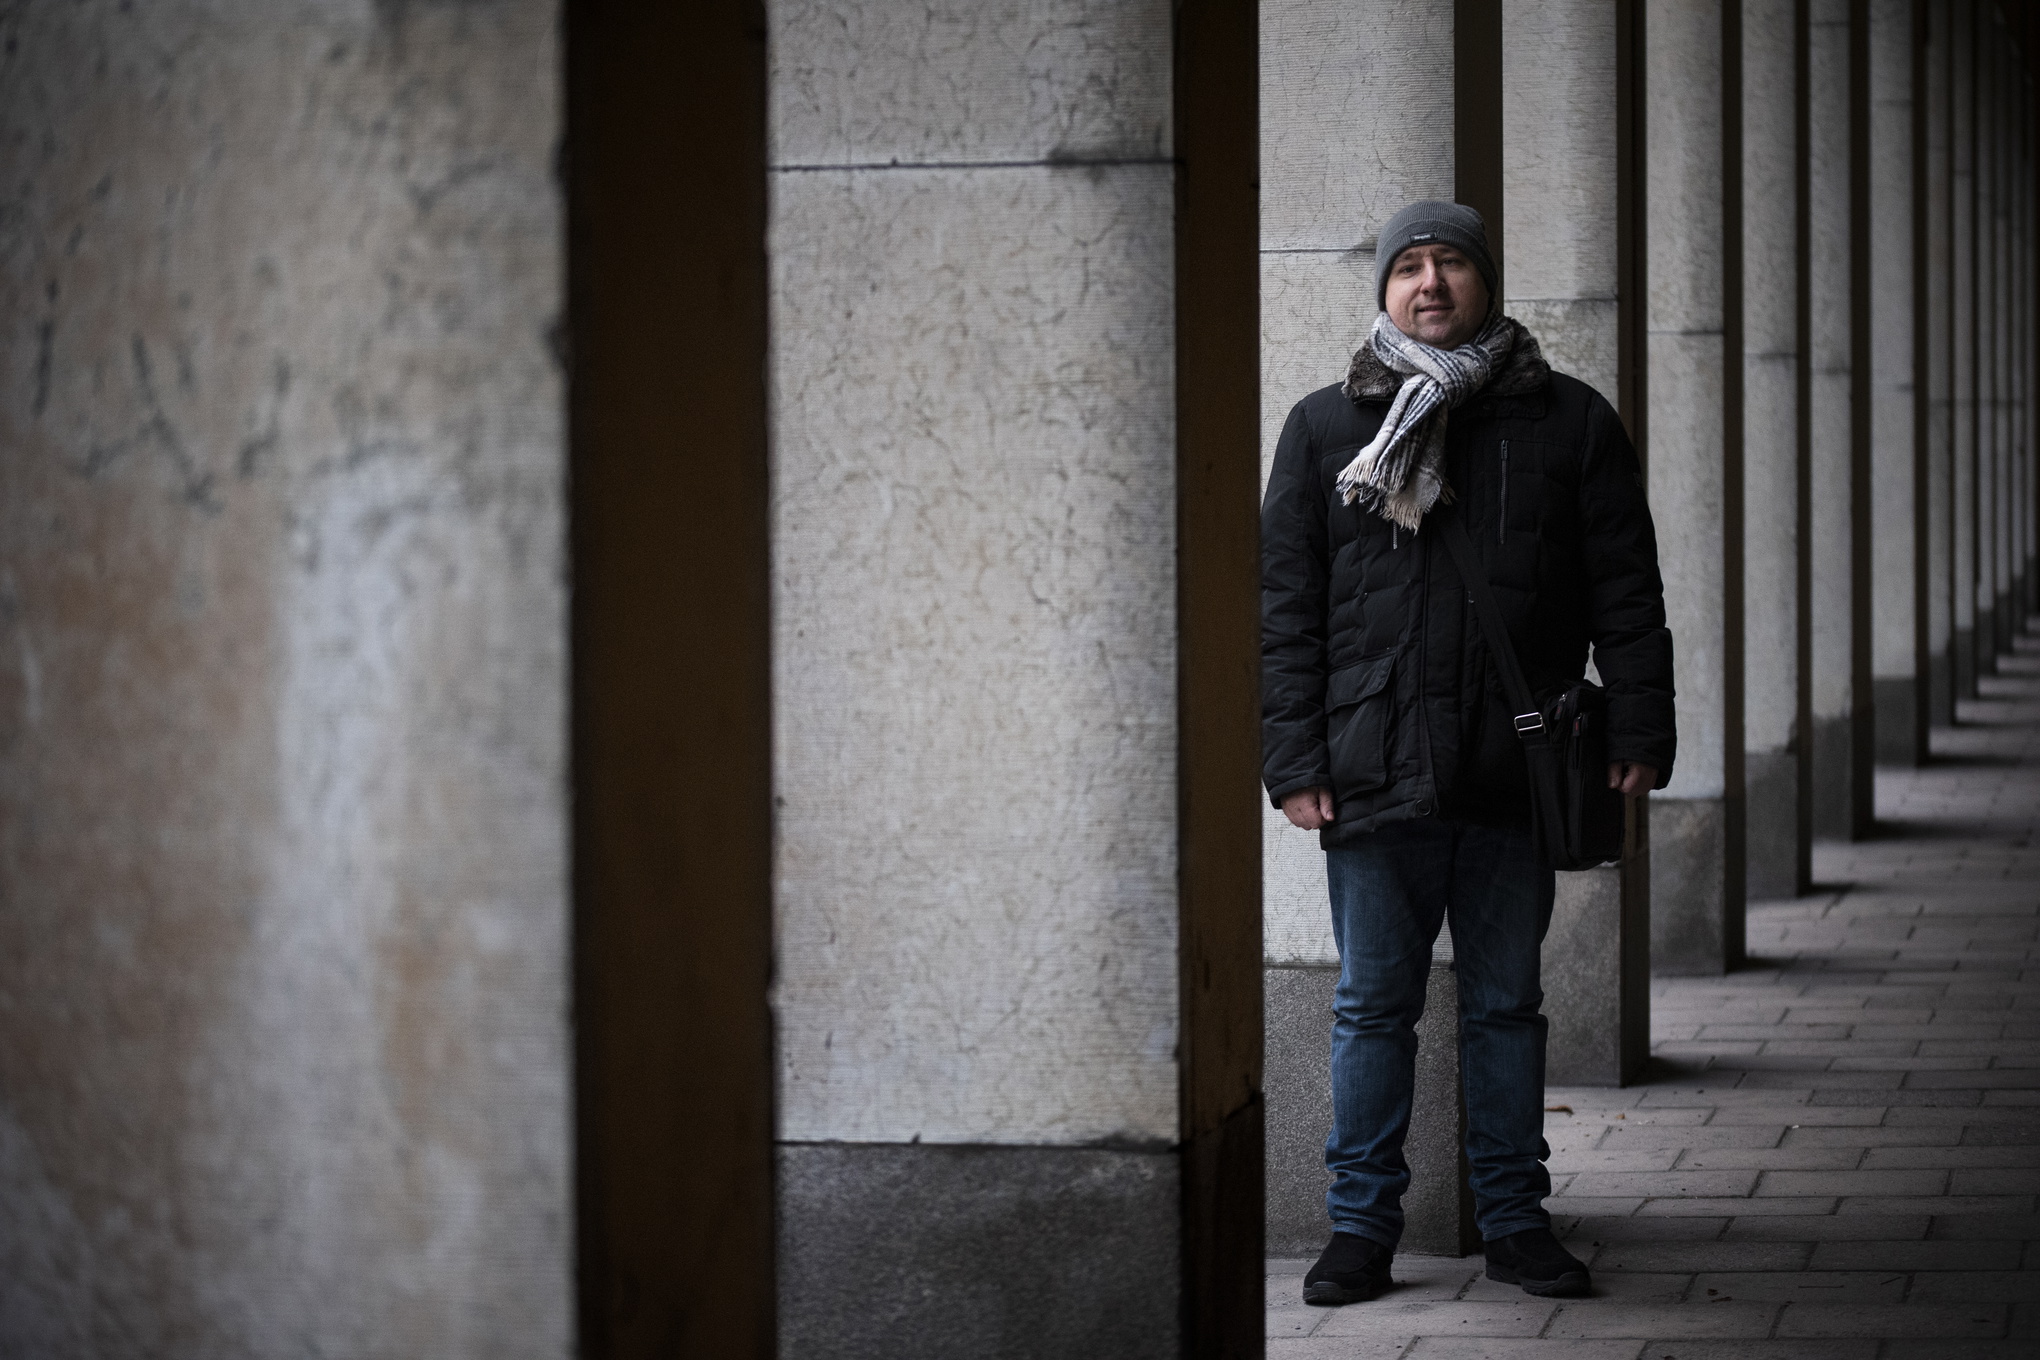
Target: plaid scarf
pixel 1401 474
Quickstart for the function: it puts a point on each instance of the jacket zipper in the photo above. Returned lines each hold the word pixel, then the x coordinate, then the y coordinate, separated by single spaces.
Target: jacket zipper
pixel 1428 782
pixel 1502 529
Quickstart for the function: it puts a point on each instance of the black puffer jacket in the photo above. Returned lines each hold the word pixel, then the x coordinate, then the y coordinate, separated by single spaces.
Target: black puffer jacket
pixel 1375 679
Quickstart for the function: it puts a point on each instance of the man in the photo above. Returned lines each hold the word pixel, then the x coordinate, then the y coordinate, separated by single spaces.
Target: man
pixel 1386 728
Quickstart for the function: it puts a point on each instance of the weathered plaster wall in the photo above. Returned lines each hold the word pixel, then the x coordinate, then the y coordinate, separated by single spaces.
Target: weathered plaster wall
pixel 1356 121
pixel 282 902
pixel 1558 178
pixel 974 582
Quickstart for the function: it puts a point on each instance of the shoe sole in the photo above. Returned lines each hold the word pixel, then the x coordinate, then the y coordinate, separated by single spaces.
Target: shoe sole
pixel 1571 1285
pixel 1325 1294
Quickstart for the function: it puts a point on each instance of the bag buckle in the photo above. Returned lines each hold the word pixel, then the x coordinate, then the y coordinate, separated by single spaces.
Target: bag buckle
pixel 1527 723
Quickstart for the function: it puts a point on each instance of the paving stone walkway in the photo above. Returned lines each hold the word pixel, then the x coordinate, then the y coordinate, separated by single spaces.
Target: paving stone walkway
pixel 1837 1154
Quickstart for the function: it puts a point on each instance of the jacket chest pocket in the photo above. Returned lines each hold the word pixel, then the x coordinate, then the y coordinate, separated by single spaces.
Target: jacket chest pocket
pixel 1358 702
pixel 1517 505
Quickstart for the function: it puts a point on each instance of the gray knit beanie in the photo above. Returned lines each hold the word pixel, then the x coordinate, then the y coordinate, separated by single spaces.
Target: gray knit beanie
pixel 1424 222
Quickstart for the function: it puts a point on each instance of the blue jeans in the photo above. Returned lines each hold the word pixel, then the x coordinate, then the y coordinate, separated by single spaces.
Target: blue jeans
pixel 1389 894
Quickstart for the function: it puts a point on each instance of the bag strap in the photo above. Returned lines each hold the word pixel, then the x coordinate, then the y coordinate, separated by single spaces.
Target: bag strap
pixel 1529 719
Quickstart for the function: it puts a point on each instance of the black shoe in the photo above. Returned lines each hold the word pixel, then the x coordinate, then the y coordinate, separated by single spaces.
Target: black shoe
pixel 1353 1269
pixel 1534 1259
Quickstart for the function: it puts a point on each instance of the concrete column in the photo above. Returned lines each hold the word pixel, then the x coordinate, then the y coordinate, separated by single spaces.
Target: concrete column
pixel 1328 87
pixel 1559 181
pixel 1597 969
pixel 2019 178
pixel 2019 498
pixel 283 681
pixel 1989 282
pixel 1938 295
pixel 1438 1207
pixel 1015 617
pixel 1894 506
pixel 1962 349
pixel 2005 75
pixel 1780 841
pixel 1832 392
pixel 1697 866
pixel 1559 112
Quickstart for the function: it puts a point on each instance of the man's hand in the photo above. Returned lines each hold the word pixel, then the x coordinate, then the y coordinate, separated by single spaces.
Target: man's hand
pixel 1308 809
pixel 1625 775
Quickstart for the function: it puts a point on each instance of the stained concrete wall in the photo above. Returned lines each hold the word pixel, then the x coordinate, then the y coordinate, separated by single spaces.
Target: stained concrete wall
pixel 282 828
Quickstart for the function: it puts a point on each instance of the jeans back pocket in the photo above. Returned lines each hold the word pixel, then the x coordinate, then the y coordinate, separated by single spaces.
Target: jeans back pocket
pixel 1358 705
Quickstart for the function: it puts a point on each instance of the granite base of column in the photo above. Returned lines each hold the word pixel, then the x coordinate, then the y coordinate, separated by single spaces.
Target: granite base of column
pixel 1940 692
pixel 1962 663
pixel 2006 617
pixel 1296 1086
pixel 1597 979
pixel 894 1251
pixel 1834 779
pixel 1297 1089
pixel 1438 1207
pixel 1984 640
pixel 1897 700
pixel 1780 855
pixel 1696 913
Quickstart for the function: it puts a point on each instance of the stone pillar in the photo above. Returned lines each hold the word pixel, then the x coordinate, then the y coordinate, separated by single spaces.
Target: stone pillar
pixel 2018 374
pixel 2006 75
pixel 1016 640
pixel 1962 345
pixel 1840 774
pixel 1325 90
pixel 1559 182
pixel 1438 1207
pixel 1989 455
pixel 1780 841
pixel 1937 295
pixel 1559 112
pixel 1896 509
pixel 1697 865
pixel 1597 968
pixel 283 803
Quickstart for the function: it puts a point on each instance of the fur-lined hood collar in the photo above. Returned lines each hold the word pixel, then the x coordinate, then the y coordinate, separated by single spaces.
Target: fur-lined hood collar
pixel 1523 371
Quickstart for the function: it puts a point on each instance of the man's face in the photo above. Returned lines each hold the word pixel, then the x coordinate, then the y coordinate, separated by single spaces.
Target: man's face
pixel 1435 295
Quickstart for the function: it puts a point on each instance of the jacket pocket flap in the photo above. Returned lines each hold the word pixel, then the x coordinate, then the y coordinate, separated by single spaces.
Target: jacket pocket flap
pixel 1359 680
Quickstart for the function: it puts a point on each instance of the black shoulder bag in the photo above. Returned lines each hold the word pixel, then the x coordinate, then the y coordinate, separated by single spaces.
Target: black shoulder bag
pixel 1576 820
